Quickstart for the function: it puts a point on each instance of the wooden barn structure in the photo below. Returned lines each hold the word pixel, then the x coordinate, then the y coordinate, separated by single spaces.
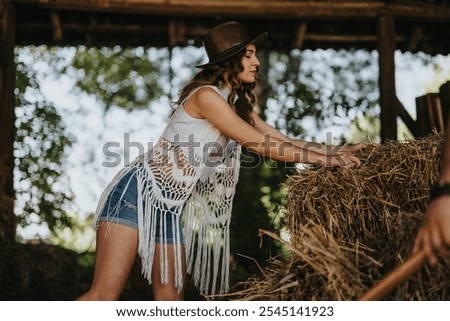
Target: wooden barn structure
pixel 386 26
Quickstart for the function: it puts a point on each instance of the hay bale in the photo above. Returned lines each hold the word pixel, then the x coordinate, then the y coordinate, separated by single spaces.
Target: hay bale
pixel 38 272
pixel 349 227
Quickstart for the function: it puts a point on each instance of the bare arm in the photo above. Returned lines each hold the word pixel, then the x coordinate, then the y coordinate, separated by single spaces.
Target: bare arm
pixel 207 104
pixel 434 235
pixel 266 129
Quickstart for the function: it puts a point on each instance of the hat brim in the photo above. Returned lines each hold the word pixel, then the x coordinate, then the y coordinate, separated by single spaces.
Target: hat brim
pixel 258 41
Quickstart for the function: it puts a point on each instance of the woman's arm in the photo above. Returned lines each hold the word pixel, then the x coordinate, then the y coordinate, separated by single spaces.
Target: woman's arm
pixel 434 234
pixel 266 129
pixel 206 103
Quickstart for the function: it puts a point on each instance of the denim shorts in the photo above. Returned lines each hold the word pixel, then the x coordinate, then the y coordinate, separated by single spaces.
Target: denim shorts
pixel 126 191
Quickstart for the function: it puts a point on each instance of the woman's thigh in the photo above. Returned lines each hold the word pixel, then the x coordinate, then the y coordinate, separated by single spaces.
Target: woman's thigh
pixel 115 254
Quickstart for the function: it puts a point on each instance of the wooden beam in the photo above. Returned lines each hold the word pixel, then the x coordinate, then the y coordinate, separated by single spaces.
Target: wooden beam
pixel 7 103
pixel 419 11
pixel 56 24
pixel 340 38
pixel 176 32
pixel 300 35
pixel 415 38
pixel 280 9
pixel 386 78
pixel 430 115
pixel 95 28
pixel 444 95
pixel 242 8
pixel 406 117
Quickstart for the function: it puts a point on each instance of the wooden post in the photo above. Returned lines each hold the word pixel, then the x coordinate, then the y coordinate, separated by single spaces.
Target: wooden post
pixel 444 95
pixel 429 114
pixel 7 116
pixel 386 80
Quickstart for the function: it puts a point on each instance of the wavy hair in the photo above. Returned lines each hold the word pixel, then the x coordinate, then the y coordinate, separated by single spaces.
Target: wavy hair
pixel 241 97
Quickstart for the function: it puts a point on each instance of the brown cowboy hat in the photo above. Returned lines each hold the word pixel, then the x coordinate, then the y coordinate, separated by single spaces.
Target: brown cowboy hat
pixel 227 39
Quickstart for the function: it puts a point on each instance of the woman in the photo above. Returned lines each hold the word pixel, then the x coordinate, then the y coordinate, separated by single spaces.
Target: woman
pixel 190 175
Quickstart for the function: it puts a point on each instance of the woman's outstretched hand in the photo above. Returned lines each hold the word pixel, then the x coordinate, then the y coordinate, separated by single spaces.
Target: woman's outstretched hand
pixel 353 148
pixel 345 157
pixel 345 160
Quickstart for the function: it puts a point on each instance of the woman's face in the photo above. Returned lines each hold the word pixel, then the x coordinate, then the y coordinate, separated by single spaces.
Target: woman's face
pixel 250 64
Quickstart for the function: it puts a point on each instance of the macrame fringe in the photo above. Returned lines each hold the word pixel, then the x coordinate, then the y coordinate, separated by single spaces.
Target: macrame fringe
pixel 203 194
pixel 208 248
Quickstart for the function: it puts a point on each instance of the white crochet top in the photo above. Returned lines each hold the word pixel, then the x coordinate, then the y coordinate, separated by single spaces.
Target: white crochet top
pixel 191 173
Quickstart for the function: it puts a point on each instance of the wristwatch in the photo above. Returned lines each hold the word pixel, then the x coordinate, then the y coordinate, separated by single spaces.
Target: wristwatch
pixel 438 189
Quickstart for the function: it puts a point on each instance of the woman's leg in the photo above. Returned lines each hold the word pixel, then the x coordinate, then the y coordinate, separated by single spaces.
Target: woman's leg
pixel 115 255
pixel 167 291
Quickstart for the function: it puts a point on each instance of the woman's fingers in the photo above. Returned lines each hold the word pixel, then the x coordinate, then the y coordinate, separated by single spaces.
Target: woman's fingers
pixel 349 161
pixel 358 147
pixel 353 148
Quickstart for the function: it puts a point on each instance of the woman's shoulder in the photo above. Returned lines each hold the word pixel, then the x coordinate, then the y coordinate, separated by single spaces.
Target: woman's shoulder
pixel 203 91
pixel 205 94
pixel 206 90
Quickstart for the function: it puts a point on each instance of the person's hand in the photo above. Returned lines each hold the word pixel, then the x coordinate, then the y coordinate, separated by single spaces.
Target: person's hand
pixel 353 148
pixel 434 234
pixel 341 160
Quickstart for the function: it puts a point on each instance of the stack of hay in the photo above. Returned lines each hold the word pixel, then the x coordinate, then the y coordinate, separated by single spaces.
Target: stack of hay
pixel 350 227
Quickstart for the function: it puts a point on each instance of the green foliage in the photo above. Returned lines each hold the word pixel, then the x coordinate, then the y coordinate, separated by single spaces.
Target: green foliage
pixel 125 78
pixel 121 77
pixel 293 98
pixel 259 185
pixel 41 145
pixel 329 88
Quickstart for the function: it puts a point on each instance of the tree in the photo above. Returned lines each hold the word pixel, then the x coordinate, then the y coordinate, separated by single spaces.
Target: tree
pixel 41 146
pixel 119 77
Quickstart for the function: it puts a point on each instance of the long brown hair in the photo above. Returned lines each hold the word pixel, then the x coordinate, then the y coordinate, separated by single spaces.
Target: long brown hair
pixel 214 75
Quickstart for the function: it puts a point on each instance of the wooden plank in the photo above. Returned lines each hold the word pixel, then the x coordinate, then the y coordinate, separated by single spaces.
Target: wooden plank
pixel 341 38
pixel 422 122
pixel 420 11
pixel 56 24
pixel 176 33
pixel 281 9
pixel 430 114
pixel 435 110
pixel 300 35
pixel 406 117
pixel 444 95
pixel 386 78
pixel 415 37
pixel 7 103
pixel 438 115
pixel 242 8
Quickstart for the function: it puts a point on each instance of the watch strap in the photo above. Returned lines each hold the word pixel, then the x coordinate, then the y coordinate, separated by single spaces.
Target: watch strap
pixel 438 189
